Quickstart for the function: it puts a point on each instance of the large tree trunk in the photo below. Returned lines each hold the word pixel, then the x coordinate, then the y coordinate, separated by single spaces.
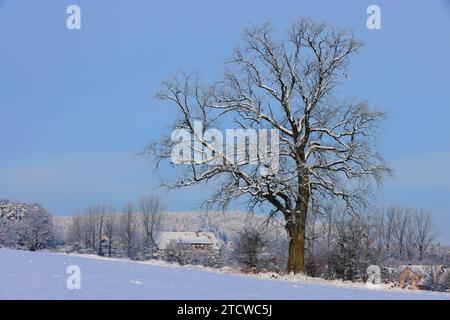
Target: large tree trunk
pixel 297 228
pixel 296 260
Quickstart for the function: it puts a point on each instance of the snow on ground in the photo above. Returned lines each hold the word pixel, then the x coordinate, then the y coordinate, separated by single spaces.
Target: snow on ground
pixel 42 275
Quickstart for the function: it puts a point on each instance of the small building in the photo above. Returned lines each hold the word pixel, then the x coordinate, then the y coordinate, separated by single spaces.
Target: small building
pixel 422 276
pixel 196 240
pixel 409 275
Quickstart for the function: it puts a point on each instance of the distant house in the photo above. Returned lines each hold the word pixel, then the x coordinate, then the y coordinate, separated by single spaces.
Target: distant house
pixel 422 276
pixel 409 274
pixel 195 240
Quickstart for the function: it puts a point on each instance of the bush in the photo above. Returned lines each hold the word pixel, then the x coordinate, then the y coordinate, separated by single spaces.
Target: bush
pixel 183 254
pixel 32 229
pixel 249 248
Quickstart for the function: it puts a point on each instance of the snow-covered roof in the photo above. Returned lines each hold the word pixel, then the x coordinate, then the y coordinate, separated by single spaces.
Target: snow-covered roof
pixel 425 271
pixel 421 270
pixel 208 238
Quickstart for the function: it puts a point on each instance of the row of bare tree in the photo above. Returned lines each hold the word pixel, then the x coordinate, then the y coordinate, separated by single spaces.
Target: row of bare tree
pixel 343 245
pixel 340 245
pixel 405 233
pixel 131 233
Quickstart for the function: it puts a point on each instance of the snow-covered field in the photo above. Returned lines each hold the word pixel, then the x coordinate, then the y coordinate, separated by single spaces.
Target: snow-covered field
pixel 42 275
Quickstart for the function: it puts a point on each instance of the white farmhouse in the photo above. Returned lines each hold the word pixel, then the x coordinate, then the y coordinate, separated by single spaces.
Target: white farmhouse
pixel 196 240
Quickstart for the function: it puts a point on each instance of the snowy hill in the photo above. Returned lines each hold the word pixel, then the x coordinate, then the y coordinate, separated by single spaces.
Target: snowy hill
pixel 42 275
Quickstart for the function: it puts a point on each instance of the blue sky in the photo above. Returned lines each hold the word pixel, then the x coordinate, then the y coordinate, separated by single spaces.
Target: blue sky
pixel 77 105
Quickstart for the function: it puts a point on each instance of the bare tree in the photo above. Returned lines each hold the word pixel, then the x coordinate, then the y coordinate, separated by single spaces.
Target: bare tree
pixel 378 231
pixel 326 144
pixel 75 235
pixel 100 212
pixel 128 231
pixel 401 235
pixel 249 245
pixel 327 220
pixel 37 228
pixel 151 220
pixel 92 217
pixel 423 232
pixel 88 228
pixel 86 231
pixel 110 228
pixel 352 256
pixel 388 228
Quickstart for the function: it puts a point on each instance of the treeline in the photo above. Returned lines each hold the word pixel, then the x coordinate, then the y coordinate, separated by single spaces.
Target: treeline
pixel 339 245
pixel 342 246
pixel 129 233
